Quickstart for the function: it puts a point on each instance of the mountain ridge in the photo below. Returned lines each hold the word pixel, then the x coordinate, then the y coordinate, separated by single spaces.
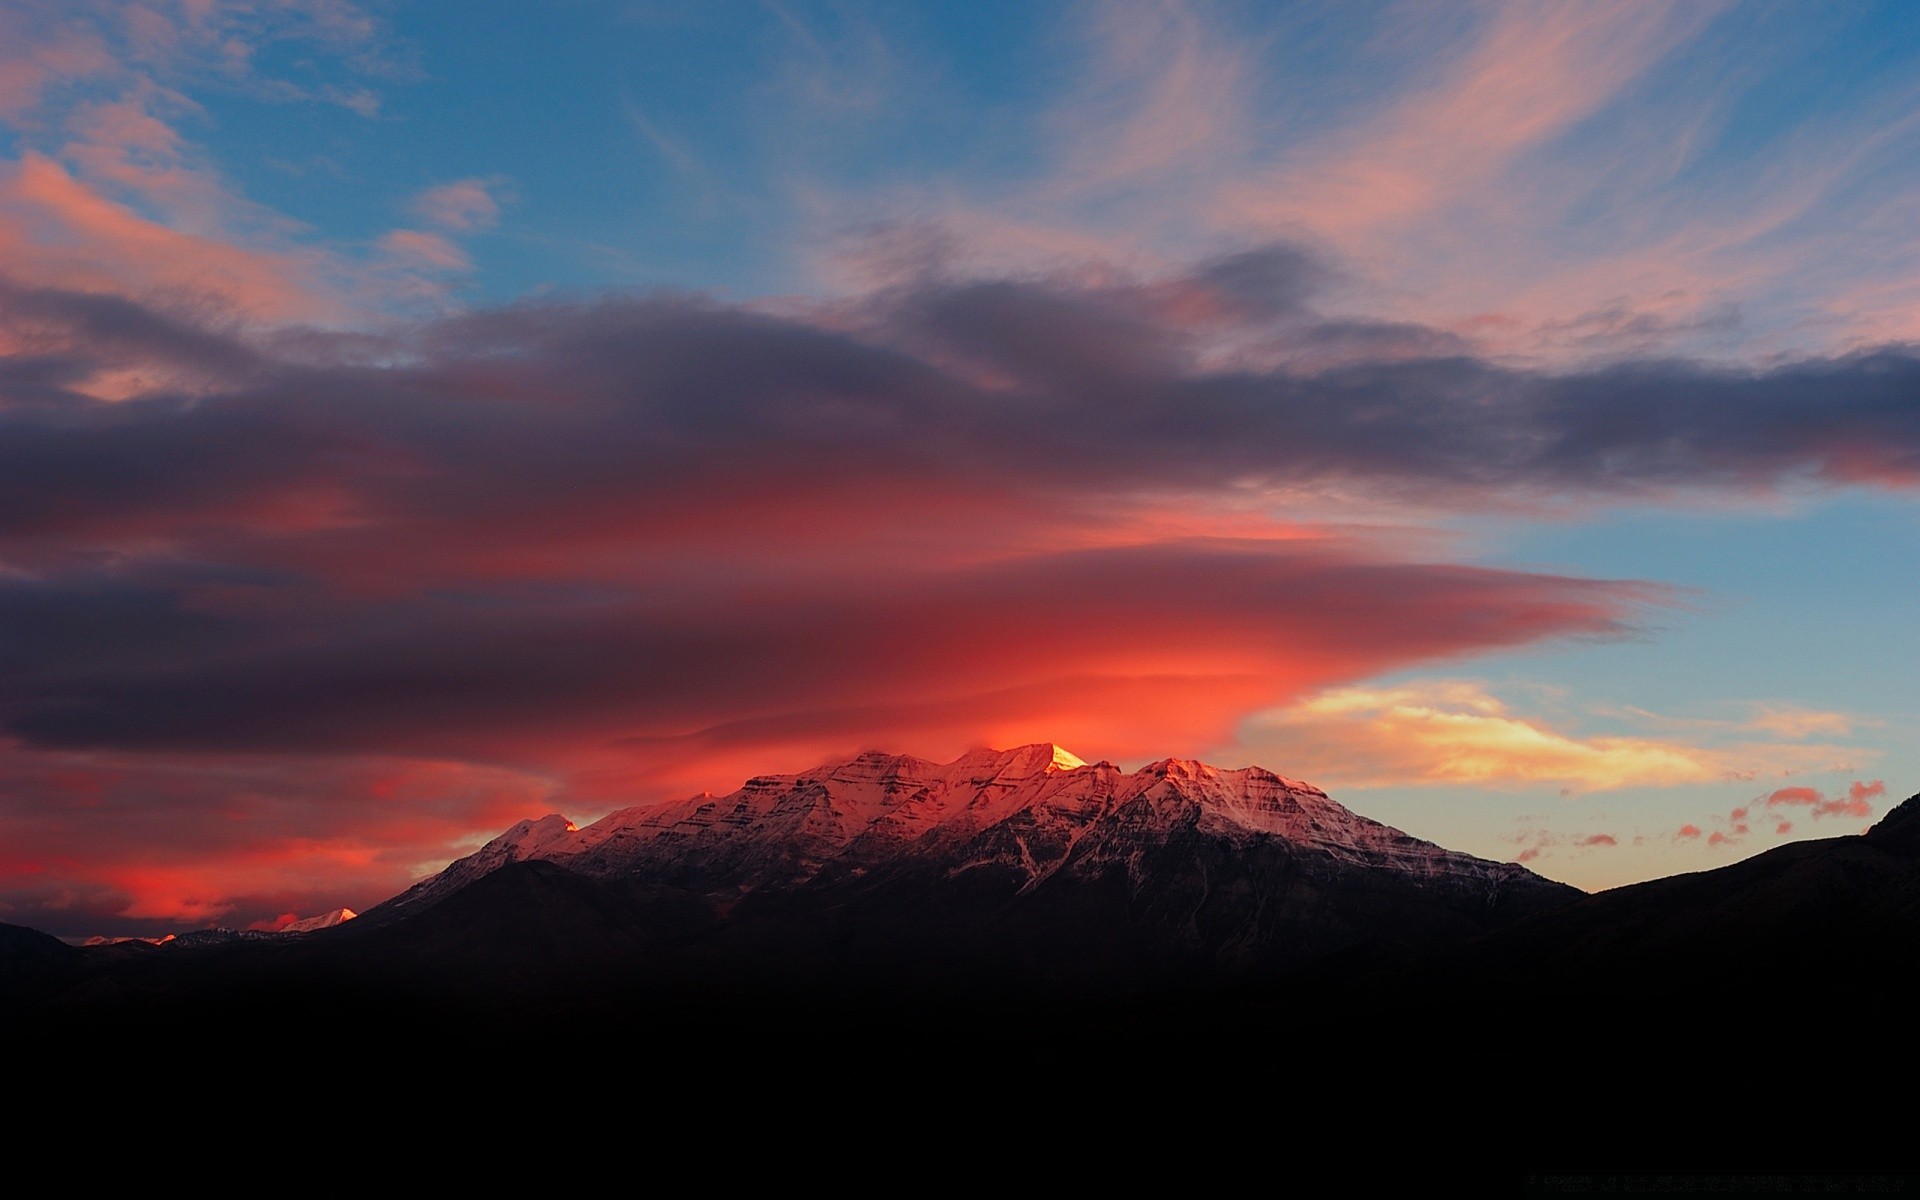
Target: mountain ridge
pixel 1028 807
pixel 1017 863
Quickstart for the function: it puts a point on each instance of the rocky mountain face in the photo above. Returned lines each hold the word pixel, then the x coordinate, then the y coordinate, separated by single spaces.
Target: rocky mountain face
pixel 1030 858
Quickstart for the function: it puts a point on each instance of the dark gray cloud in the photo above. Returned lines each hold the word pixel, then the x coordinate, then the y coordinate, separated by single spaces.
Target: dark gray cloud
pixel 1039 387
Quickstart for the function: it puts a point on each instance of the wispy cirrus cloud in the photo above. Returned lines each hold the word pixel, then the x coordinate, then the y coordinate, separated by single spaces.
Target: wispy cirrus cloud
pixel 1528 74
pixel 1535 844
pixel 1552 183
pixel 105 193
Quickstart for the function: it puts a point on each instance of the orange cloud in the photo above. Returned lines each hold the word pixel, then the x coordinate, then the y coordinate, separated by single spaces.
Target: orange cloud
pixel 1457 732
pixel 56 231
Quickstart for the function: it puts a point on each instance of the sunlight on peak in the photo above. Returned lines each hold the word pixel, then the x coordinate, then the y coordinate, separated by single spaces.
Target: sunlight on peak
pixel 1066 760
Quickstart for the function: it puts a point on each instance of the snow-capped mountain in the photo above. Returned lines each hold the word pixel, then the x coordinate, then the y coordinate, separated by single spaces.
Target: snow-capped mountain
pixel 1236 864
pixel 1027 808
pixel 326 920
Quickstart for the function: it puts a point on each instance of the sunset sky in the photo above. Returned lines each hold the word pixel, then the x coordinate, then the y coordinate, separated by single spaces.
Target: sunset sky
pixel 418 417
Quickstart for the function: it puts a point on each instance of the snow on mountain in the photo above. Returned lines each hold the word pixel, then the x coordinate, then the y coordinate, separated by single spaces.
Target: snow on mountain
pixel 324 921
pixel 1036 810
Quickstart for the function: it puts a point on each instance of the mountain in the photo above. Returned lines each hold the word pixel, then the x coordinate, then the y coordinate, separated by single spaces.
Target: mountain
pixel 1026 861
pixel 1179 957
pixel 326 920
pixel 31 960
pixel 1811 930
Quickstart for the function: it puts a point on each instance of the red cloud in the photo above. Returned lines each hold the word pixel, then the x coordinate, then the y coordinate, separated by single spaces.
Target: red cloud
pixel 1783 827
pixel 1600 839
pixel 1688 831
pixel 155 843
pixel 1795 795
pixel 1843 806
pixel 1853 804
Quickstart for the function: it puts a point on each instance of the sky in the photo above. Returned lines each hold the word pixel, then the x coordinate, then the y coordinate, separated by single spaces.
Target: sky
pixel 418 417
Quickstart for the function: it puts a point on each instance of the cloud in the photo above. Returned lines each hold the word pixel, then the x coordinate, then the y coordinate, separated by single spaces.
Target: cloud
pixel 102 192
pixel 413 248
pixel 1795 795
pixel 1856 802
pixel 58 232
pixel 1792 722
pixel 462 206
pixel 1531 72
pixel 1455 731
pixel 642 545
pixel 153 843
pixel 37 52
pixel 1539 843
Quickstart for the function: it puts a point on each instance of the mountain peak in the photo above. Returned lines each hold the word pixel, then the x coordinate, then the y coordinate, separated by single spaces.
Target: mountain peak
pixel 535 834
pixel 1064 758
pixel 1035 758
pixel 327 920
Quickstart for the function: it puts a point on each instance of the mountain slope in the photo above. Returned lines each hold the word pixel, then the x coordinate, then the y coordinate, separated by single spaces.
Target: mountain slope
pixel 1027 860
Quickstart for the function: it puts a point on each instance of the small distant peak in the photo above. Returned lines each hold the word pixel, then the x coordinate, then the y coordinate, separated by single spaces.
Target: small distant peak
pixel 1179 768
pixel 338 916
